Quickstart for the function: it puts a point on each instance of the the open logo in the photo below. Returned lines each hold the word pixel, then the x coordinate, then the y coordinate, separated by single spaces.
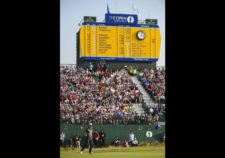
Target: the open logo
pixel 130 19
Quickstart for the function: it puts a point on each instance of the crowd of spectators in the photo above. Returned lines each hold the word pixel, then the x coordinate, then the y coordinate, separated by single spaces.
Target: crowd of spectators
pixel 153 81
pixel 98 95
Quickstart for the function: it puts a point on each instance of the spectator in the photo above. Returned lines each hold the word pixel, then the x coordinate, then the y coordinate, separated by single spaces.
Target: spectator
pixel 131 138
pixel 96 137
pixel 135 142
pixel 91 66
pixel 77 140
pixel 126 144
pixel 157 126
pixel 116 141
pixel 102 138
pixel 62 139
pixel 71 143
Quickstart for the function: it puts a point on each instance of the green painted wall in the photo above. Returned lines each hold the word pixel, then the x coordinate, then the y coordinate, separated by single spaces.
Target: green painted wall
pixel 119 130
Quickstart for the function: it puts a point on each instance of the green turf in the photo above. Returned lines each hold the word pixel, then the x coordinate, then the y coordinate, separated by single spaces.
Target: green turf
pixel 121 152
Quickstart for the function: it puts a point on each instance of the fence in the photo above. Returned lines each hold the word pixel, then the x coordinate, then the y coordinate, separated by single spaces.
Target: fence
pixel 119 130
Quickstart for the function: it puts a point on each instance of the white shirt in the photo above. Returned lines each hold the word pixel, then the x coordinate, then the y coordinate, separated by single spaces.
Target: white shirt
pixel 151 110
pixel 135 141
pixel 62 136
pixel 131 137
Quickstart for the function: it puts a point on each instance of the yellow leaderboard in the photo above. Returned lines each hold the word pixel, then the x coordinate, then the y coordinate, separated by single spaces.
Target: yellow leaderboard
pixel 120 43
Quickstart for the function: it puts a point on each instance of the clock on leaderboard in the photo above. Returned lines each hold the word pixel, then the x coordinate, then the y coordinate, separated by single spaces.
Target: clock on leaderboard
pixel 141 35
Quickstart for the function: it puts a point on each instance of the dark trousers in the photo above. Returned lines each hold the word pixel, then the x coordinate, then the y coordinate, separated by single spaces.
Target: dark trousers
pixel 102 142
pixel 88 143
pixel 62 143
pixel 95 142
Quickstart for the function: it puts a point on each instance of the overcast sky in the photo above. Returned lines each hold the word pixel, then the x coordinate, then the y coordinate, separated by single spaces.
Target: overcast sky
pixel 73 11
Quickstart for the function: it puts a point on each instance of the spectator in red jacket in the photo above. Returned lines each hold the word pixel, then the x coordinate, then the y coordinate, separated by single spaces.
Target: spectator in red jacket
pixel 96 137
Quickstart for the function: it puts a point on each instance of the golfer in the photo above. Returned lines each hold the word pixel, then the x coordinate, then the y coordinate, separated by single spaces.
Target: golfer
pixel 89 139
